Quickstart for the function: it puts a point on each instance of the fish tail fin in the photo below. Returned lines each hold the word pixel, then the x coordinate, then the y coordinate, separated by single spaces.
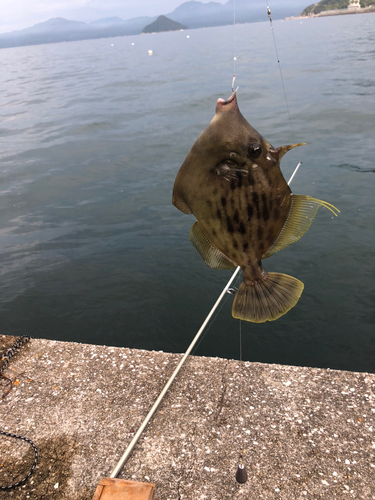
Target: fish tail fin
pixel 267 300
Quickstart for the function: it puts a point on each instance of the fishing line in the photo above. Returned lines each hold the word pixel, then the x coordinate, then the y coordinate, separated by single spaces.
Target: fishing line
pixel 240 341
pixel 241 474
pixel 229 291
pixel 234 39
pixel 279 64
pixel 234 46
pixel 165 389
pixel 209 326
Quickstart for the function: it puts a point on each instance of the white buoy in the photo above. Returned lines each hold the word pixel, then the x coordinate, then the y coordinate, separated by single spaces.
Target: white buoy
pixel 150 52
pixel 187 36
pixel 132 43
pixel 111 44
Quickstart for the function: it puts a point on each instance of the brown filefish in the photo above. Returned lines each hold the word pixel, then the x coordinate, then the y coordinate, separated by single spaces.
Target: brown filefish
pixel 231 181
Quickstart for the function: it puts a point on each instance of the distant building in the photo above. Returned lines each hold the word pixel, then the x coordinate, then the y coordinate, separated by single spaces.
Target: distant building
pixel 354 4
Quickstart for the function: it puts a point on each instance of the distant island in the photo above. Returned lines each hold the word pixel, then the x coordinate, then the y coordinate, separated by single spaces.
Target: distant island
pixel 163 23
pixel 193 14
pixel 337 7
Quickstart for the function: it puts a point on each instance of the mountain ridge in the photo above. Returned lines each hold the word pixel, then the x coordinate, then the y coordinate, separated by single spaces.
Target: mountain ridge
pixel 192 14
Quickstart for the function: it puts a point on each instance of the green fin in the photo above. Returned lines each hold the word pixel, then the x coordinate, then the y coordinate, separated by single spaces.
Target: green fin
pixel 301 214
pixel 267 300
pixel 211 255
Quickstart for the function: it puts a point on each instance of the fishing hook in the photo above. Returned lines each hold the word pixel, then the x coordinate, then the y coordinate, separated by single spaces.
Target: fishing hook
pixel 234 91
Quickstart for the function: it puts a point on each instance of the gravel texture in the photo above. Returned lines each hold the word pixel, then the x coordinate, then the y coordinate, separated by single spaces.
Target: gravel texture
pixel 303 433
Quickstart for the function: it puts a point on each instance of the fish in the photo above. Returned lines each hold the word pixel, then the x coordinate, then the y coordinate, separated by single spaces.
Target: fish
pixel 245 211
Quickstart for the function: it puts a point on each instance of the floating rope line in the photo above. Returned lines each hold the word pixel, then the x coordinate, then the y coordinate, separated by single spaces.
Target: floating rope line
pixel 14 485
pixel 10 352
pixel 278 61
pixel 6 357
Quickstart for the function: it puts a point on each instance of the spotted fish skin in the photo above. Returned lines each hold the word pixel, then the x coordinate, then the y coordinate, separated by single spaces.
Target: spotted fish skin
pixel 240 198
pixel 231 181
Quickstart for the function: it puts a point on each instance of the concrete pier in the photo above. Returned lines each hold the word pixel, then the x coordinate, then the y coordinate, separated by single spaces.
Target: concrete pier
pixel 304 433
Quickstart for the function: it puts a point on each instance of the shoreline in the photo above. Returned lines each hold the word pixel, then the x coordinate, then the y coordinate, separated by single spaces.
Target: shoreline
pixel 336 12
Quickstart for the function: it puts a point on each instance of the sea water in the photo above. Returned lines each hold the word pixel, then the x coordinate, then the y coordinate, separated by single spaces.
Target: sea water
pixel 92 134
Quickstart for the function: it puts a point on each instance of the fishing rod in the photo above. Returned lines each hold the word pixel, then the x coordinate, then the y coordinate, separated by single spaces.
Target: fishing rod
pixel 241 475
pixel 156 405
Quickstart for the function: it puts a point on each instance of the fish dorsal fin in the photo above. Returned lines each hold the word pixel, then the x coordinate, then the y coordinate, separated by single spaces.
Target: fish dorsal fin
pixel 301 214
pixel 211 255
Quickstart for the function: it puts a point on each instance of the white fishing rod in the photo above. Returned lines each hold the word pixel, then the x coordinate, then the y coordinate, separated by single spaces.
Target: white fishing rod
pixel 155 406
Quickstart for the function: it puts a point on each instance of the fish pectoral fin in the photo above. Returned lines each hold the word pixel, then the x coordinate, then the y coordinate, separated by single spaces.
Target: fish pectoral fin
pixel 267 300
pixel 234 173
pixel 211 255
pixel 301 214
pixel 231 171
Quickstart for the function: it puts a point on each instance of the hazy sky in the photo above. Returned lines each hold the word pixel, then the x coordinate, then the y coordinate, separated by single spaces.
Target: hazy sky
pixel 19 14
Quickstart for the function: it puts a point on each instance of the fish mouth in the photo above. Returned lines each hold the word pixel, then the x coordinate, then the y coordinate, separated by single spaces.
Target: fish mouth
pixel 222 105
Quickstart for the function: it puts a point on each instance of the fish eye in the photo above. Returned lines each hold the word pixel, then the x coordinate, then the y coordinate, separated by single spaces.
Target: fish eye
pixel 255 149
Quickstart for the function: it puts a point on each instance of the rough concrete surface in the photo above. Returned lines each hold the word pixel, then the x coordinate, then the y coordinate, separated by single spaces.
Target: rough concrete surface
pixel 304 433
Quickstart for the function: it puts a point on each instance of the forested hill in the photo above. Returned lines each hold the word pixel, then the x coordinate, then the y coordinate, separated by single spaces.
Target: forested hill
pixel 315 8
pixel 163 23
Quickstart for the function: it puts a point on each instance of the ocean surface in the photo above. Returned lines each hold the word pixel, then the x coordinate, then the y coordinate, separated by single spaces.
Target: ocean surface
pixel 92 134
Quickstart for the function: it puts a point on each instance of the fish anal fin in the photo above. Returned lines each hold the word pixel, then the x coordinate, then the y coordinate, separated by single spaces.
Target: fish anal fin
pixel 268 299
pixel 301 214
pixel 211 255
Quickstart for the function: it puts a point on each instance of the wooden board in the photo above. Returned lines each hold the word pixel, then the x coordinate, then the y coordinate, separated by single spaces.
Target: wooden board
pixel 121 489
